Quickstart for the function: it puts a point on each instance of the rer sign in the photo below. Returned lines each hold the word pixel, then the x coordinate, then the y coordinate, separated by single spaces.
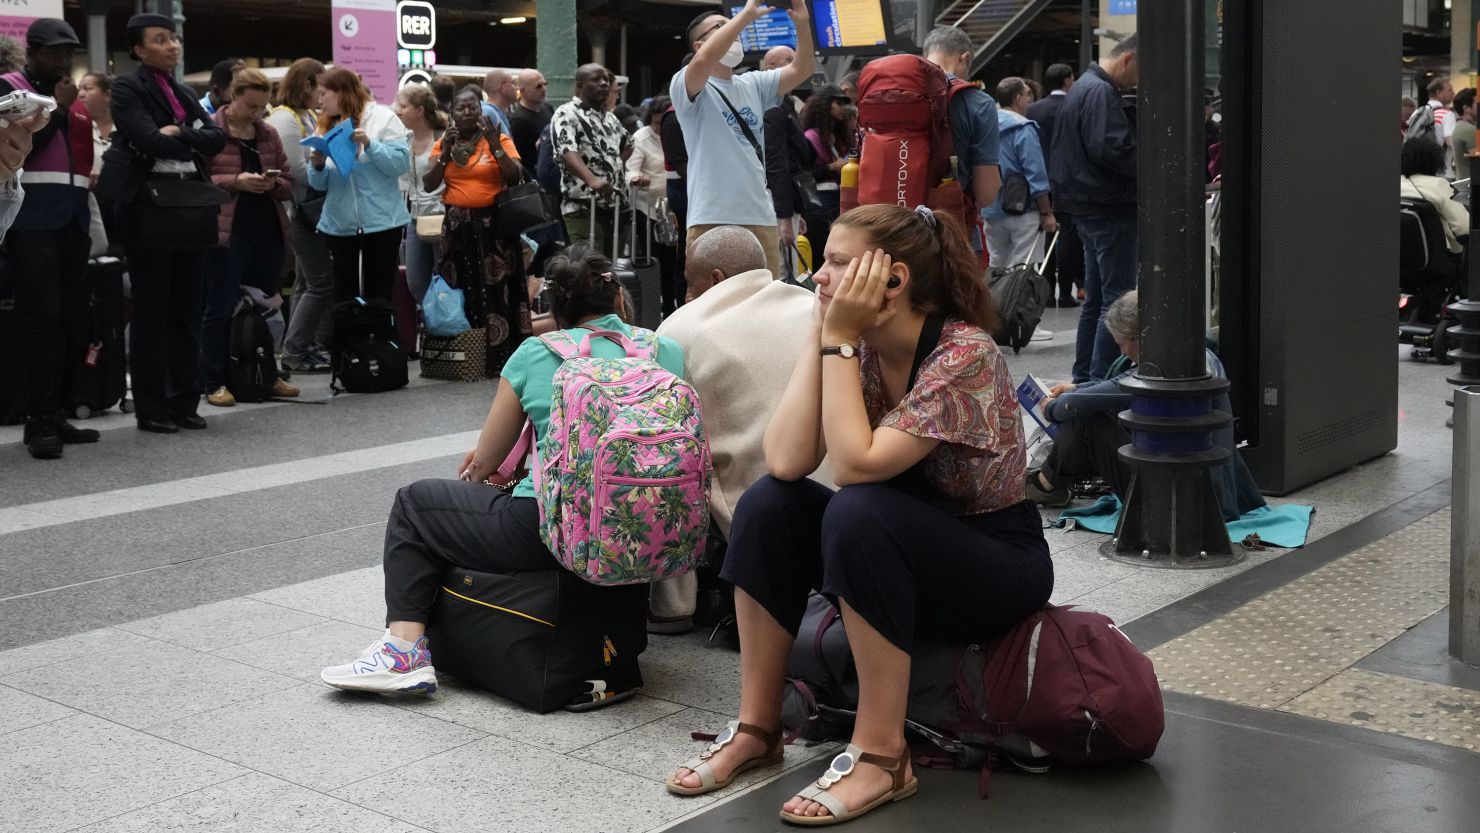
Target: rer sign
pixel 416 24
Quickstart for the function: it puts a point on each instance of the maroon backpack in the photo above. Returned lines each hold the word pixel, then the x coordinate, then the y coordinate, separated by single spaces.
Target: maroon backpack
pixel 1062 685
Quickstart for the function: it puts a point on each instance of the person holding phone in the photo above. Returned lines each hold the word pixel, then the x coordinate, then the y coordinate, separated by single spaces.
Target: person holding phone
pixel 476 160
pixel 253 169
pixel 901 385
pixel 47 243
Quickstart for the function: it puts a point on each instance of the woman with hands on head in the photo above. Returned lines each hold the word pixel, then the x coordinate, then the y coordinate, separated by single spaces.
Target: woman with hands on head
pixel 476 161
pixel 364 213
pixel 903 389
pixel 466 522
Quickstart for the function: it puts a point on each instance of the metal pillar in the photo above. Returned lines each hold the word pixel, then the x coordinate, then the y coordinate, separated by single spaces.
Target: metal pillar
pixel 1171 516
pixel 555 48
pixel 97 34
pixel 1466 334
pixel 1464 530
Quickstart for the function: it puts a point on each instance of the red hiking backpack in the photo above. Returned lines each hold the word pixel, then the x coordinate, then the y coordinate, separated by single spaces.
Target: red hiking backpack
pixel 903 111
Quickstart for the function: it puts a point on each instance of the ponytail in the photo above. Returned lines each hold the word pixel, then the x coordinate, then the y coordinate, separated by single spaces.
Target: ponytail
pixel 584 285
pixel 945 274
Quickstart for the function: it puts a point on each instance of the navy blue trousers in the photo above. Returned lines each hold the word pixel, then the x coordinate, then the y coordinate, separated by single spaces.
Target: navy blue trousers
pixel 909 569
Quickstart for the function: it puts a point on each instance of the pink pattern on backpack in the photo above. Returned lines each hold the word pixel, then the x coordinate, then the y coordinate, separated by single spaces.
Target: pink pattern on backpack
pixel 623 471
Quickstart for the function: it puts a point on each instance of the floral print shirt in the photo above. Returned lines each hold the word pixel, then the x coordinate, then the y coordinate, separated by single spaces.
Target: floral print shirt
pixel 964 397
pixel 600 139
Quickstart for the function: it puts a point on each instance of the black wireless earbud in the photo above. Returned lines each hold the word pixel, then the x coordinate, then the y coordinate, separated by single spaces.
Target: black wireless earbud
pixel 893 282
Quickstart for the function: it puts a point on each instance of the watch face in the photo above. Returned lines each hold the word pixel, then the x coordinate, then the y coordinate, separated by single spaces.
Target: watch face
pixel 847 351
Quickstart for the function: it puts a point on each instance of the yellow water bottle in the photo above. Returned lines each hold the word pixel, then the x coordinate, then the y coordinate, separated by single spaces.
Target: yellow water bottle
pixel 848 183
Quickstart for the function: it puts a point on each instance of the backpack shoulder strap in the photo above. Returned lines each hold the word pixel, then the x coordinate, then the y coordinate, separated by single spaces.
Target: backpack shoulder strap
pixel 561 344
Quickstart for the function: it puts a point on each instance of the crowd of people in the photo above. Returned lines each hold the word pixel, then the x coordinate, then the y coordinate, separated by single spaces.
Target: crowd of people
pixel 867 439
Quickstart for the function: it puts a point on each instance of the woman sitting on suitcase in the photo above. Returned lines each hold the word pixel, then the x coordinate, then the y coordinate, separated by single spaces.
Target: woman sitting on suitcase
pixel 437 524
pixel 477 160
pixel 902 387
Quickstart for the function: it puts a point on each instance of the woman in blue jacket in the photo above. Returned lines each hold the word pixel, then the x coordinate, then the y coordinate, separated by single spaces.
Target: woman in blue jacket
pixel 1013 230
pixel 364 213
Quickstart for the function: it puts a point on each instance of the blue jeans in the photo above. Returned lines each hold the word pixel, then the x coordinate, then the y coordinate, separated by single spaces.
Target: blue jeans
pixel 254 262
pixel 420 258
pixel 1109 272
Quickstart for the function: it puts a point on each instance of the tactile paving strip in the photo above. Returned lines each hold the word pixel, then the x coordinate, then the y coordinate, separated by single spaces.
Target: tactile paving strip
pixel 1295 638
pixel 1387 703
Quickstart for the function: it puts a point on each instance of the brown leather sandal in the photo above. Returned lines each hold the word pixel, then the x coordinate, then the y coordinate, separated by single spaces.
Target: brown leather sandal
pixel 700 765
pixel 842 766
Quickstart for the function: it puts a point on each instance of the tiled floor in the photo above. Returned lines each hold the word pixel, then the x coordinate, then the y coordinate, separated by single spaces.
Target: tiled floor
pixel 167 604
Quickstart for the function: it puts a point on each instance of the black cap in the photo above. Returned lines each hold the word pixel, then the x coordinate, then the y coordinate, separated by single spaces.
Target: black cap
pixel 144 21
pixel 49 31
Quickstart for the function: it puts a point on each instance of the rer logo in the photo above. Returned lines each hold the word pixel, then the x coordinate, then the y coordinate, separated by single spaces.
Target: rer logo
pixel 416 24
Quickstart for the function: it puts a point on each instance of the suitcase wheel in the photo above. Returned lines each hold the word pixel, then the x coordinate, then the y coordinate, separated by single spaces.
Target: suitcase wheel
pixel 81 412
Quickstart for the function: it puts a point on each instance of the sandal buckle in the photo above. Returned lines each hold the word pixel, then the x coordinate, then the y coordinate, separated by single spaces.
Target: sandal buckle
pixel 841 766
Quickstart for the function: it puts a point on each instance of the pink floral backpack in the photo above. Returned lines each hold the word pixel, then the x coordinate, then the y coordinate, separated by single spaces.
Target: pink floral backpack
pixel 622 473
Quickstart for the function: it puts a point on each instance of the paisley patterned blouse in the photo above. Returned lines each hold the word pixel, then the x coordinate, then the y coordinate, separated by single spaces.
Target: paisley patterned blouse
pixel 964 397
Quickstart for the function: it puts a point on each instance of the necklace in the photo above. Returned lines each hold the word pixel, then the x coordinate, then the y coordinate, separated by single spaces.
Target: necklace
pixel 462 150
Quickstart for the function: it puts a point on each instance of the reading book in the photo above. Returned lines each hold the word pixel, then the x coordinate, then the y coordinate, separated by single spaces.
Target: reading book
pixel 337 145
pixel 1030 393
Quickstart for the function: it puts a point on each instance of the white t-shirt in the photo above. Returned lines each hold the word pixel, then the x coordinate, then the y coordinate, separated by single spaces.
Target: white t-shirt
pixel 726 182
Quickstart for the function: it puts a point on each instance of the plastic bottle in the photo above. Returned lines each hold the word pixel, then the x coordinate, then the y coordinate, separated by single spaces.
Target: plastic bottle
pixel 848 183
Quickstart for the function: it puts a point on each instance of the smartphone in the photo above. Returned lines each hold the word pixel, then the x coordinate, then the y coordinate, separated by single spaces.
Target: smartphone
pixel 272 172
pixel 23 104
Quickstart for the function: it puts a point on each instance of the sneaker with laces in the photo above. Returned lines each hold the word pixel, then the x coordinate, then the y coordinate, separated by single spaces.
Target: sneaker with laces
pixel 386 669
pixel 221 397
pixel 282 389
pixel 312 362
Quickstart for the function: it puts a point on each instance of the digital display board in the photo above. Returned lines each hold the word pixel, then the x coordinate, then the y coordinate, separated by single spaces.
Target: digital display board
pixel 775 29
pixel 851 25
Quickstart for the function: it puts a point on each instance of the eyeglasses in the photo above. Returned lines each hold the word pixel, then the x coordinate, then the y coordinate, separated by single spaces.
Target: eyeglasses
pixel 164 38
pixel 712 30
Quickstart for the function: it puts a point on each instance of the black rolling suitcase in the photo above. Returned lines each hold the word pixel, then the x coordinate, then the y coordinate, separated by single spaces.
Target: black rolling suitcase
pixel 97 378
pixel 544 639
pixel 640 276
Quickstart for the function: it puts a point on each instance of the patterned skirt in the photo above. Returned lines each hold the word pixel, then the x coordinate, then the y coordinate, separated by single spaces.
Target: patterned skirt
pixel 495 290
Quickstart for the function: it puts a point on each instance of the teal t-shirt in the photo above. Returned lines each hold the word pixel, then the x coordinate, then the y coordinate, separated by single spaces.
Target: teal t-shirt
pixel 531 372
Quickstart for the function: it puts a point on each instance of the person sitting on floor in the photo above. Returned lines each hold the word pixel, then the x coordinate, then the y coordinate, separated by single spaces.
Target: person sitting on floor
pixel 741 331
pixel 901 385
pixel 1090 435
pixel 435 524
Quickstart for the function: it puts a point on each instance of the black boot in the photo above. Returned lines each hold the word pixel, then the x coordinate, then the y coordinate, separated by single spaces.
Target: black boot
pixel 43 439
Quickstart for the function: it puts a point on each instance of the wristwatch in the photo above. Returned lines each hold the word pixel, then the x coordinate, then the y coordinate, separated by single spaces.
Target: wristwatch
pixel 498 153
pixel 845 350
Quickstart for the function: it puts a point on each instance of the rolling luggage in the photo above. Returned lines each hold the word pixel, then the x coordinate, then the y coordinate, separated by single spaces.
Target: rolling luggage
pixel 545 639
pixel 640 276
pixel 97 378
pixel 404 304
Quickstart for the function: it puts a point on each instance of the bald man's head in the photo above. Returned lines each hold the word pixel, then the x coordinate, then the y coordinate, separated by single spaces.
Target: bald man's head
pixel 720 253
pixel 498 84
pixel 778 57
pixel 532 88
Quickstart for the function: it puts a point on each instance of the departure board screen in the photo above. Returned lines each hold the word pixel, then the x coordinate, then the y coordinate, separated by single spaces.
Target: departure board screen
pixel 775 29
pixel 851 25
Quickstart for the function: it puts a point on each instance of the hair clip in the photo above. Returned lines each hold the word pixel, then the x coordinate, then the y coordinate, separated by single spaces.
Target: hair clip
pixel 929 214
pixel 608 276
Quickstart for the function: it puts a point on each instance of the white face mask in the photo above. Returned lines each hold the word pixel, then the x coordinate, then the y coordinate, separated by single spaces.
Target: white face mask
pixel 734 55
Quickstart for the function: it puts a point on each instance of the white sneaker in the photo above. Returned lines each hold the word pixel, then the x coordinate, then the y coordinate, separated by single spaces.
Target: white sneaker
pixel 384 668
pixel 1041 334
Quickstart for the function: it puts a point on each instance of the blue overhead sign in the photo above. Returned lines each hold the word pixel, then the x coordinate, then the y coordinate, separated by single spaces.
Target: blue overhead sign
pixel 1122 6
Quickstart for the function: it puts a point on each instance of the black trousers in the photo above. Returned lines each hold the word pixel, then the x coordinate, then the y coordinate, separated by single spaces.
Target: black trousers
pixel 909 569
pixel 375 256
pixel 50 274
pixel 437 524
pixel 1089 447
pixel 164 337
pixel 1066 264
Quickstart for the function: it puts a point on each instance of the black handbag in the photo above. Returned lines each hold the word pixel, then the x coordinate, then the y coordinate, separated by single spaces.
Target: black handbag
pixel 313 206
pixel 177 214
pixel 519 208
pixel 808 200
pixel 1015 194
